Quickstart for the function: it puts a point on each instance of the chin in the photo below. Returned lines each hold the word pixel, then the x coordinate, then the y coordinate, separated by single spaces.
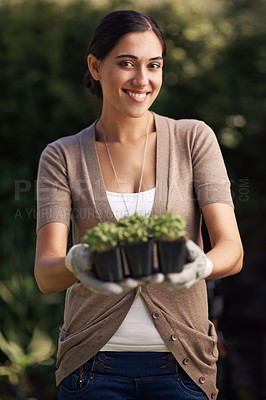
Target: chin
pixel 137 112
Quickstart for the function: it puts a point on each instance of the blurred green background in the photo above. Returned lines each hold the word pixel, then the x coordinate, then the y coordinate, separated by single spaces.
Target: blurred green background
pixel 215 71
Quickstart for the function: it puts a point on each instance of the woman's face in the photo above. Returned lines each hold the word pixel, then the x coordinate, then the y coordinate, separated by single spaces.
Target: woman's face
pixel 131 75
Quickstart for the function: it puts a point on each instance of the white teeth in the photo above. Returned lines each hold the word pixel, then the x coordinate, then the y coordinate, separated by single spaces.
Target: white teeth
pixel 137 95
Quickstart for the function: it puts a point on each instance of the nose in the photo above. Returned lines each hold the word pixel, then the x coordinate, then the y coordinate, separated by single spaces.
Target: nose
pixel 141 77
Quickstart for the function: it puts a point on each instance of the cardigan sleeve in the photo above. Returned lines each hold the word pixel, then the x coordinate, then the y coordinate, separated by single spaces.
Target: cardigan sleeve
pixel 210 179
pixel 53 191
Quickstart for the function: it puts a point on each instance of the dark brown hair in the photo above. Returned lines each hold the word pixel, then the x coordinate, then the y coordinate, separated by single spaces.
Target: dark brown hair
pixel 110 30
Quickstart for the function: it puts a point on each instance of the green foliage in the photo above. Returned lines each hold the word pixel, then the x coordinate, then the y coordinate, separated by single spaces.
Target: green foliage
pixel 42 51
pixel 134 229
pixel 29 320
pixel 168 226
pixel 135 219
pixel 102 237
pixel 39 350
pixel 106 235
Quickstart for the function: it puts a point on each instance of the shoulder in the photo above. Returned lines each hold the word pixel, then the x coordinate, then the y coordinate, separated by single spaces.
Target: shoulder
pixel 69 146
pixel 185 129
pixel 69 142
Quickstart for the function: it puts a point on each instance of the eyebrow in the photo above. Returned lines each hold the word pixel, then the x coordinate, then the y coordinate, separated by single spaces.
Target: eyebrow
pixel 135 58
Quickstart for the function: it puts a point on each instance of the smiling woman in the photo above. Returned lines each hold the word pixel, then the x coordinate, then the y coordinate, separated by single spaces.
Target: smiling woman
pixel 132 70
pixel 108 33
pixel 145 338
pixel 132 62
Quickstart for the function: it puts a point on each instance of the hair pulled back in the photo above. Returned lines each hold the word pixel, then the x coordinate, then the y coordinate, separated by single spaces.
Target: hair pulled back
pixel 110 30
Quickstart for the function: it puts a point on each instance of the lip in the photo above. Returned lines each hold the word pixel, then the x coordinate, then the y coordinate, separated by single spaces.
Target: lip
pixel 139 96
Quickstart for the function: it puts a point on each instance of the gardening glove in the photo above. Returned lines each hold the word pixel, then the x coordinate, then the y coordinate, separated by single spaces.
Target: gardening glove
pixel 78 262
pixel 199 267
pixel 157 277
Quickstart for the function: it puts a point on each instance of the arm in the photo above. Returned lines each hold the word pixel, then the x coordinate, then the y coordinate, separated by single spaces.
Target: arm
pixel 225 257
pixel 227 251
pixel 51 273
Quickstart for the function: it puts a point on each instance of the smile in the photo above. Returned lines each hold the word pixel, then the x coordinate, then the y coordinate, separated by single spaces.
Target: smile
pixel 136 96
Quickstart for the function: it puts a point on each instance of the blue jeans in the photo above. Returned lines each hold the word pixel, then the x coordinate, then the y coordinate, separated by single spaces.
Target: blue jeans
pixel 130 376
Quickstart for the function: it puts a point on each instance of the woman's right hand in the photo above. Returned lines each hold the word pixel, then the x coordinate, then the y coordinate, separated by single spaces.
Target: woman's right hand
pixel 55 271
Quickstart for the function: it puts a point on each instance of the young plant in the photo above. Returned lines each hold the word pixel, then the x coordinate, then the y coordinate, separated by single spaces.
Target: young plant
pixel 169 232
pixel 102 237
pixel 134 237
pixel 133 229
pixel 167 227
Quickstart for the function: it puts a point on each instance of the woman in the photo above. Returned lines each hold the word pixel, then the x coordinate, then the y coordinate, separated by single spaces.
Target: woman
pixel 136 339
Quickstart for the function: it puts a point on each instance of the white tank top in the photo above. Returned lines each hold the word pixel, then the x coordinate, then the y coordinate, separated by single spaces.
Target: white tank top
pixel 137 332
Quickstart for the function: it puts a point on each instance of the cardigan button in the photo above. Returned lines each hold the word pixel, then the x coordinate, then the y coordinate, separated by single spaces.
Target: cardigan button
pixel 186 361
pixel 174 337
pixel 213 395
pixel 202 379
pixel 155 315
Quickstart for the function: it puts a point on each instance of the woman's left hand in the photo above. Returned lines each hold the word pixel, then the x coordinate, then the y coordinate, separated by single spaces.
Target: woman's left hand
pixel 199 267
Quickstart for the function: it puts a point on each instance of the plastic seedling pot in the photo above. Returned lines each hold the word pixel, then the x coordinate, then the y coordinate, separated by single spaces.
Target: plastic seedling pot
pixel 140 258
pixel 172 255
pixel 108 265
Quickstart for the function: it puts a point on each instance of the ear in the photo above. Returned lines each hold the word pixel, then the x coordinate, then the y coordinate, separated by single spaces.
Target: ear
pixel 94 66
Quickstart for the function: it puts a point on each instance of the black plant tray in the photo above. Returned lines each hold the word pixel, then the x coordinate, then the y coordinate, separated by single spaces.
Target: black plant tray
pixel 140 258
pixel 172 256
pixel 108 265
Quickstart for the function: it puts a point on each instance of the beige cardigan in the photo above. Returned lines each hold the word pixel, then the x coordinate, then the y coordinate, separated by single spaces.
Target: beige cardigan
pixel 190 173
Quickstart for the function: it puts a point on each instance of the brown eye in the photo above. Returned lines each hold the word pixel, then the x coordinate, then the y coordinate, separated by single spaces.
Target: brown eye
pixel 126 64
pixel 155 66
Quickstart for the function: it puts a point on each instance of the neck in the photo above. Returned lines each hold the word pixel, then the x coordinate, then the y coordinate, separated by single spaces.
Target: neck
pixel 124 130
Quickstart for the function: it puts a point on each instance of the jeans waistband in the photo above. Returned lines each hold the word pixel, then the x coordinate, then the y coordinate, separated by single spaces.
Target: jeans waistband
pixel 132 364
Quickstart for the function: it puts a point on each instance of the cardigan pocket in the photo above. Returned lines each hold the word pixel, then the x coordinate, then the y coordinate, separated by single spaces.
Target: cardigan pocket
pixel 213 336
pixel 203 345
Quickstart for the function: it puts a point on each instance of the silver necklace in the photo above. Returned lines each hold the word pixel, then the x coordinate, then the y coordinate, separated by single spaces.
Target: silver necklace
pixel 142 169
